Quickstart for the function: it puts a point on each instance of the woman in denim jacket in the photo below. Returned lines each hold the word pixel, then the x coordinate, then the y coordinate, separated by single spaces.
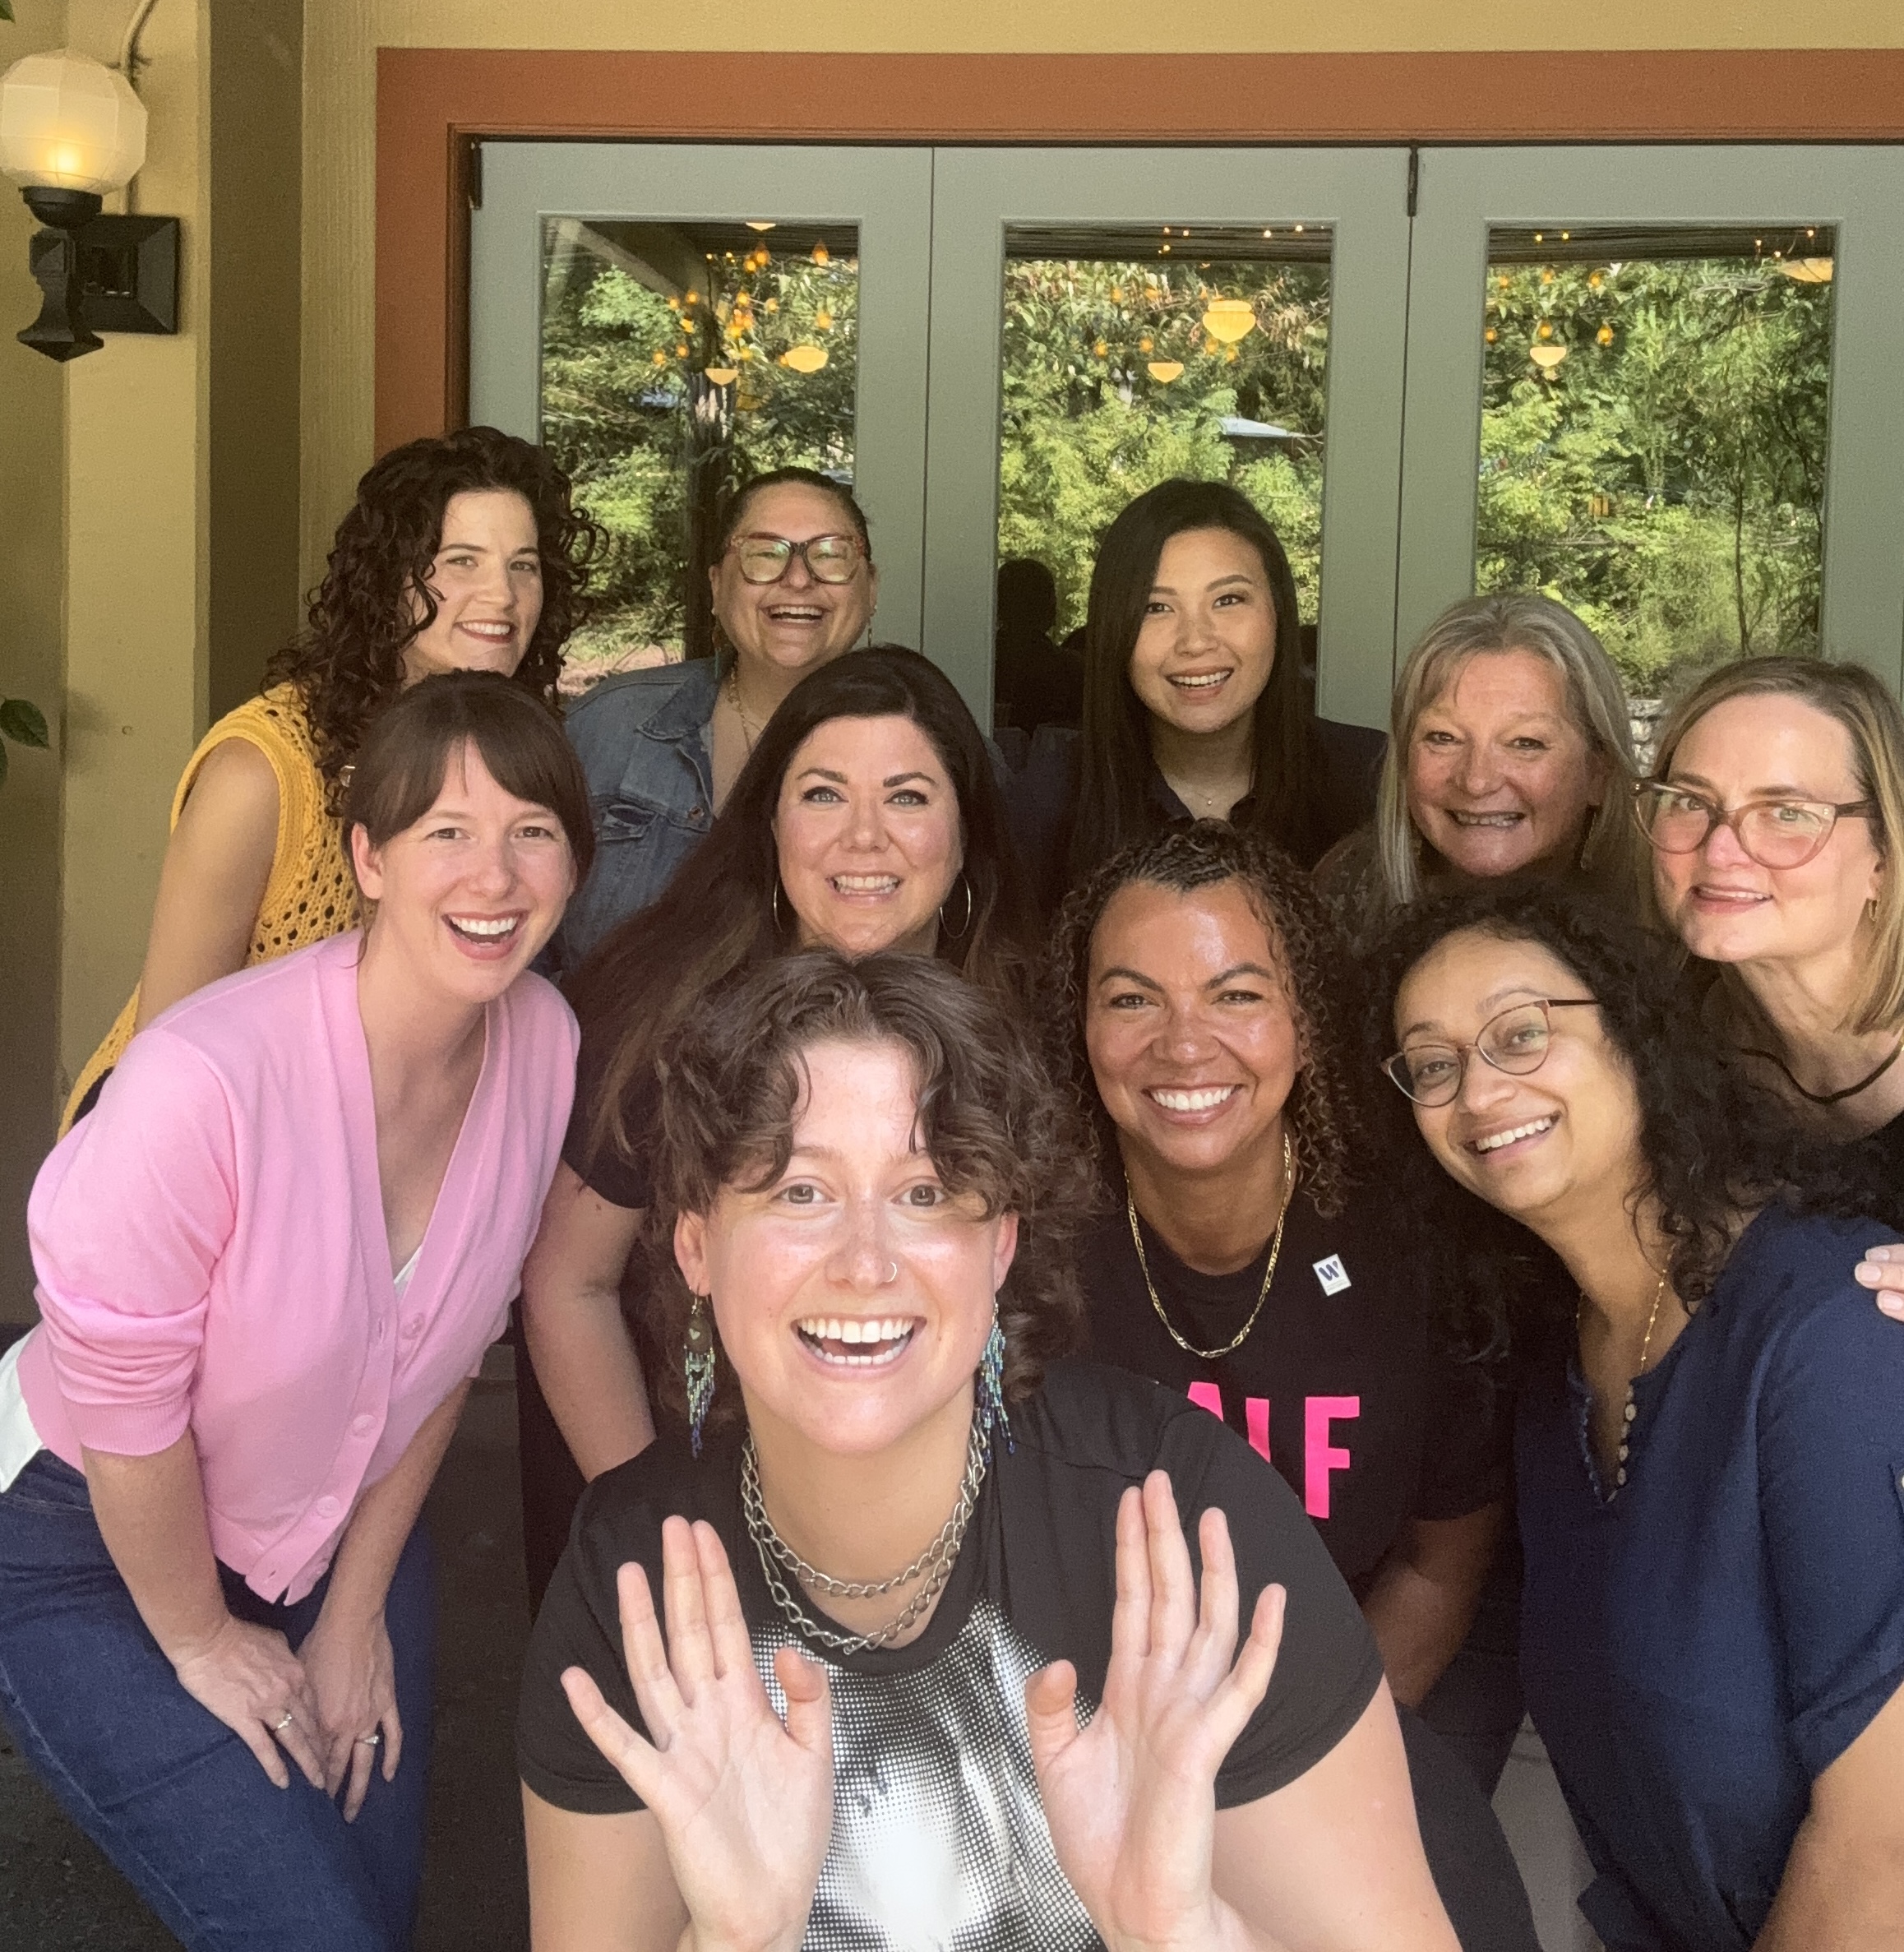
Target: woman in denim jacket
pixel 794 585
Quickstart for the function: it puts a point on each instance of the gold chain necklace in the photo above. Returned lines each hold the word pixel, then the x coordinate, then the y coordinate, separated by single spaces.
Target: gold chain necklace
pixel 748 731
pixel 1211 1355
pixel 1630 1412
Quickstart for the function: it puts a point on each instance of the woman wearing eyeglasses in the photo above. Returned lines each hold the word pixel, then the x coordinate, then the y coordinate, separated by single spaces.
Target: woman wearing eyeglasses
pixel 1771 815
pixel 794 585
pixel 1707 1453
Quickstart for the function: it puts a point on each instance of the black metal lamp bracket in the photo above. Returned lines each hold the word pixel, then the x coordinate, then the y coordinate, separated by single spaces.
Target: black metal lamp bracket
pixel 99 274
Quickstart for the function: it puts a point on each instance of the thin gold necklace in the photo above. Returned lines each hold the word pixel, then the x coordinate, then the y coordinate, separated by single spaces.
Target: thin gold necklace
pixel 1630 1412
pixel 1229 1348
pixel 748 731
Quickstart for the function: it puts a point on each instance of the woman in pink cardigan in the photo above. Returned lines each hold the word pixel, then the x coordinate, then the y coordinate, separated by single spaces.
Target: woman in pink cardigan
pixel 268 1263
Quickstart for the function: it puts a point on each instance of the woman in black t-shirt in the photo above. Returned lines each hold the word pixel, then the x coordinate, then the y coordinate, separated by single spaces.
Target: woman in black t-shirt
pixel 1028 1736
pixel 867 817
pixel 1246 1260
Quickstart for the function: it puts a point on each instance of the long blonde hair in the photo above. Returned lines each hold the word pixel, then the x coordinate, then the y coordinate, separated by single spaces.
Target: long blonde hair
pixel 1477 626
pixel 1856 698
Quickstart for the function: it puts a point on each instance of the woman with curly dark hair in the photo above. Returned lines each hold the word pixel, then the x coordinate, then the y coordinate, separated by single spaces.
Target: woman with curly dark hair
pixel 957 1558
pixel 1708 1450
pixel 1248 1260
pixel 464 553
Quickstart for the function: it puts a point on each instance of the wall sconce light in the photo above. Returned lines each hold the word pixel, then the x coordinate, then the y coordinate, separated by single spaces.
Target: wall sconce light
pixel 70 129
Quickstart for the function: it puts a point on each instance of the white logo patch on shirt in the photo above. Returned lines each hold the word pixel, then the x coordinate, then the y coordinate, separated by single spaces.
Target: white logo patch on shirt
pixel 1332 1275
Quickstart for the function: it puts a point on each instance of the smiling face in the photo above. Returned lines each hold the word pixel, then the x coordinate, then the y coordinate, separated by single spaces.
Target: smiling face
pixel 1560 1142
pixel 1500 778
pixel 1723 905
pixel 1207 643
pixel 796 624
pixel 468 894
pixel 854 1293
pixel 868 834
pixel 1192 1036
pixel 487 580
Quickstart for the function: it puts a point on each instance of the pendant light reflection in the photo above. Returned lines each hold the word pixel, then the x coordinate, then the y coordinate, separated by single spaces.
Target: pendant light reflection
pixel 1808 271
pixel 1164 371
pixel 1547 357
pixel 804 359
pixel 722 375
pixel 1228 320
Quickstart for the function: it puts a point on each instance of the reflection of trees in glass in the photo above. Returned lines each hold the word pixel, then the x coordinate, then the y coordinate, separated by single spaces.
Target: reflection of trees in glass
pixel 638 406
pixel 1665 477
pixel 1087 426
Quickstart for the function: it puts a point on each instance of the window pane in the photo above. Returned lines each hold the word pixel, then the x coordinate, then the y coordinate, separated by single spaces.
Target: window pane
pixel 677 360
pixel 1132 355
pixel 1653 436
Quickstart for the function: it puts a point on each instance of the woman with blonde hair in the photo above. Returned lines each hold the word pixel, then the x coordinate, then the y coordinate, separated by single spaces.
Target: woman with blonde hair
pixel 1772 815
pixel 1511 755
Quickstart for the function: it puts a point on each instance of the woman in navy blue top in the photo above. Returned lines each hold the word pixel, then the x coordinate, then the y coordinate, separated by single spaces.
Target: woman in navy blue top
pixel 1710 1454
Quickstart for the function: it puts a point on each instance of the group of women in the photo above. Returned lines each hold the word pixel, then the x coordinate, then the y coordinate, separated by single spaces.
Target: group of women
pixel 1090 1401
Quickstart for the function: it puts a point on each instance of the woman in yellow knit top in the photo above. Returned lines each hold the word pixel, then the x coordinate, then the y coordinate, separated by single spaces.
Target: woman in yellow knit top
pixel 462 553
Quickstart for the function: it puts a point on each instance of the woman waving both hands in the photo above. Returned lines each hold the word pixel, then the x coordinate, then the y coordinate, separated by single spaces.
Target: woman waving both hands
pixel 1039 1730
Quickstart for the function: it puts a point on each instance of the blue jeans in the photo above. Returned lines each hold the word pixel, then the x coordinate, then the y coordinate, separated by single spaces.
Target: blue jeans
pixel 170 1794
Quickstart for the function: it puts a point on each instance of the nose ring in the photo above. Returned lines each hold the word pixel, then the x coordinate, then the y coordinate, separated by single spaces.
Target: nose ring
pixel 893 1274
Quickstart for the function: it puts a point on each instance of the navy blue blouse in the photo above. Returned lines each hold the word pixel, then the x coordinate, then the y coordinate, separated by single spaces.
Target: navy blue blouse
pixel 1698 1650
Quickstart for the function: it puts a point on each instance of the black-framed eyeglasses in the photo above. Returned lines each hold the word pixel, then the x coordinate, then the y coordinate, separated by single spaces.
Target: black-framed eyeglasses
pixel 1515 1040
pixel 1776 833
pixel 767 558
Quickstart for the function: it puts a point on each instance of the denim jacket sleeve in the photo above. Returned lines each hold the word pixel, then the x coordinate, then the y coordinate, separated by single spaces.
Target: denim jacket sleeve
pixel 642 741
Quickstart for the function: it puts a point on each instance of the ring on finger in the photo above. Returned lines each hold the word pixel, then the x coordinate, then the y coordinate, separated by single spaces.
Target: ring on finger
pixel 371 1740
pixel 284 1722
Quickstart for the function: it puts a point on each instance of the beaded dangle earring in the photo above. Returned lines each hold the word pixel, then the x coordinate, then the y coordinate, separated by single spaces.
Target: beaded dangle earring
pixel 698 1361
pixel 991 1383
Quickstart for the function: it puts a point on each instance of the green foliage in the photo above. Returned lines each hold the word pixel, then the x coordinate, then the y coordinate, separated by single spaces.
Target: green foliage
pixel 1086 425
pixel 24 724
pixel 1665 477
pixel 629 413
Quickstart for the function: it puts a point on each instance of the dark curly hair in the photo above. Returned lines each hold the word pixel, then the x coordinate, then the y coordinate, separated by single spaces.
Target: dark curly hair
pixel 732 1080
pixel 1324 1103
pixel 1713 1144
pixel 347 664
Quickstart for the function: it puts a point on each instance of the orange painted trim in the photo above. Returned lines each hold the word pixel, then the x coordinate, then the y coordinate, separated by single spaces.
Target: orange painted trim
pixel 432 102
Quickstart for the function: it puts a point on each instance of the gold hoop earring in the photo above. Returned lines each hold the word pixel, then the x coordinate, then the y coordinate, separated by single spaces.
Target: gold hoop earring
pixel 958 934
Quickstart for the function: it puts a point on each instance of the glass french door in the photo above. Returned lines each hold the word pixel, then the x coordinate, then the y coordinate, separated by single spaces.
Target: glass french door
pixel 1660 383
pixel 667 316
pixel 1104 318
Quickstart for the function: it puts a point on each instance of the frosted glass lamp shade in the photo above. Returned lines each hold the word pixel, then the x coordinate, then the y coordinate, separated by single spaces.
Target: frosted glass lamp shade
pixel 68 123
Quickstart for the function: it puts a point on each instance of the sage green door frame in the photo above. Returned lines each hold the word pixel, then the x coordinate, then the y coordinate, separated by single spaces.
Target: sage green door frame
pixel 1361 194
pixel 1859 191
pixel 887 192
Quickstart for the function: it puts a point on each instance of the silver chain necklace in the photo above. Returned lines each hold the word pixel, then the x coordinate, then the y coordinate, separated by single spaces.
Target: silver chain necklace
pixel 935 1562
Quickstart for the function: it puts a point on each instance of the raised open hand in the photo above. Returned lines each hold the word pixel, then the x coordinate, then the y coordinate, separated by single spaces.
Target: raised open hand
pixel 744 1802
pixel 1131 1797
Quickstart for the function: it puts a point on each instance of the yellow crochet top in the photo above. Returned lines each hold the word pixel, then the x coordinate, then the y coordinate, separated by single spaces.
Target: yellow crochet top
pixel 311 893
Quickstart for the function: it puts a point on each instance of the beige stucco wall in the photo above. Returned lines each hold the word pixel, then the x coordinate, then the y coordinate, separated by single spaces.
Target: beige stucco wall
pixel 342 37
pixel 137 552
pixel 32 665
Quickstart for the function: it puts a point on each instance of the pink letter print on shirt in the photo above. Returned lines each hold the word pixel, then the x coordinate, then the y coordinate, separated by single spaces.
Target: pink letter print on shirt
pixel 1319 1456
